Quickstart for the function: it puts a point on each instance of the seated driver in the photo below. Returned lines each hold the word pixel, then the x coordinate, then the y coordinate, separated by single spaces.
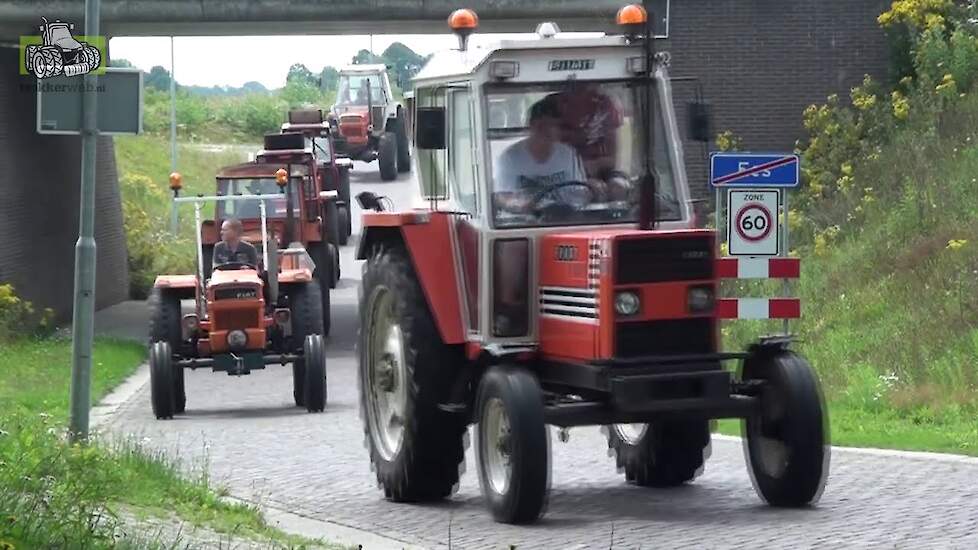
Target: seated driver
pixel 231 248
pixel 538 162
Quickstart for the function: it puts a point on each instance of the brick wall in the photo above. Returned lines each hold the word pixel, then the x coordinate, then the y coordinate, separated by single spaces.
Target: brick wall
pixel 39 192
pixel 761 62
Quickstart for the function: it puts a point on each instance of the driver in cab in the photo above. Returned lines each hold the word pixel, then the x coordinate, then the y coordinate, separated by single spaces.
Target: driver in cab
pixel 231 248
pixel 537 163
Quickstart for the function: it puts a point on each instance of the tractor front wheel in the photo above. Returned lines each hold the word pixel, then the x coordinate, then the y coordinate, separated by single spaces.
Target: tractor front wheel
pixel 661 454
pixel 324 276
pixel 785 442
pixel 165 316
pixel 344 218
pixel 403 146
pixel 387 156
pixel 513 445
pixel 305 306
pixel 405 371
pixel 314 360
pixel 161 380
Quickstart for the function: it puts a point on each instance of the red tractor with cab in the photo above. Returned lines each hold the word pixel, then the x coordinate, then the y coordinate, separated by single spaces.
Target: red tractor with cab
pixel 333 169
pixel 245 317
pixel 370 124
pixel 559 278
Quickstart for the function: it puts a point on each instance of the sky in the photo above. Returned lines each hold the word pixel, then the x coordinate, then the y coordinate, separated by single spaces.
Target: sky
pixel 232 61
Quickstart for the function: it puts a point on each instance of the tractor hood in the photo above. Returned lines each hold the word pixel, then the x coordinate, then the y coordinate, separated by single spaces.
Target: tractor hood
pixel 234 277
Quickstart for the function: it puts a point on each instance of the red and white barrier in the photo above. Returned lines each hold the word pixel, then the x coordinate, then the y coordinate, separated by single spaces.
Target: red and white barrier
pixel 758 268
pixel 759 308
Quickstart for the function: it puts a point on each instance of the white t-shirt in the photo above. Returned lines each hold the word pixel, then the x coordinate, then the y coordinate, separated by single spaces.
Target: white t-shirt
pixel 517 169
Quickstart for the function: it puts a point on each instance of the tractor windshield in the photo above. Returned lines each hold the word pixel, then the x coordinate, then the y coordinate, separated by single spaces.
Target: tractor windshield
pixel 248 210
pixel 573 155
pixel 353 89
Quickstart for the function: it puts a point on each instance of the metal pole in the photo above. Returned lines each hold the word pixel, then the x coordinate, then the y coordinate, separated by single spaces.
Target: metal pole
pixel 264 232
pixel 784 250
pixel 200 255
pixel 83 310
pixel 174 221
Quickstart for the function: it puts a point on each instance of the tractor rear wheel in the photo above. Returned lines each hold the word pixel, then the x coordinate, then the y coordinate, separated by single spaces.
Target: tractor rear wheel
pixel 403 146
pixel 387 156
pixel 92 57
pixel 344 218
pixel 513 451
pixel 785 443
pixel 161 380
pixel 660 454
pixel 307 316
pixel 314 361
pixel 405 371
pixel 324 276
pixel 47 61
pixel 332 223
pixel 165 318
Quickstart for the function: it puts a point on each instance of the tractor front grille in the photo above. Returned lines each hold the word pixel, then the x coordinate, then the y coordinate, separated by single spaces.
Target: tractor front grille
pixel 668 337
pixel 230 319
pixel 657 260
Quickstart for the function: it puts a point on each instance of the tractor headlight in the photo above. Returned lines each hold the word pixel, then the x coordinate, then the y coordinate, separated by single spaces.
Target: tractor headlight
pixel 237 339
pixel 627 303
pixel 700 299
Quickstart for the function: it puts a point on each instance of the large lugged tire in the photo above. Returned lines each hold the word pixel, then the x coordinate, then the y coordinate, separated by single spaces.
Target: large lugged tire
pixel 403 146
pixel 513 449
pixel 161 380
pixel 344 192
pixel 92 57
pixel 314 359
pixel 47 62
pixel 387 156
pixel 164 326
pixel 661 454
pixel 332 223
pixel 786 443
pixel 405 371
pixel 324 275
pixel 305 304
pixel 344 218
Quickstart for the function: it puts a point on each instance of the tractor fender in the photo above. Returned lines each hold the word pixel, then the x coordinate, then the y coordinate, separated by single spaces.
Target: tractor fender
pixel 184 286
pixel 426 236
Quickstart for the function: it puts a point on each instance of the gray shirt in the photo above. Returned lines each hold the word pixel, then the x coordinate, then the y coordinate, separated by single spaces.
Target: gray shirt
pixel 244 253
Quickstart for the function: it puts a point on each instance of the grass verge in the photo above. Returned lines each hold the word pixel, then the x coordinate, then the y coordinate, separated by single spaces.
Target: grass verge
pixel 53 494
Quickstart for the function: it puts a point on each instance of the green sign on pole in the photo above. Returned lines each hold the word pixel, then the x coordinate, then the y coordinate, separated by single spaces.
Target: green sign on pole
pixel 59 103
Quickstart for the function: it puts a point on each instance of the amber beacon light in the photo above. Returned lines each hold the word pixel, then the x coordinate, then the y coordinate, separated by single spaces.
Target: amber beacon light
pixel 463 23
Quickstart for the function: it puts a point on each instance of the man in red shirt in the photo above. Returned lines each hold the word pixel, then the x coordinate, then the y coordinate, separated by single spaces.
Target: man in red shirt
pixel 590 123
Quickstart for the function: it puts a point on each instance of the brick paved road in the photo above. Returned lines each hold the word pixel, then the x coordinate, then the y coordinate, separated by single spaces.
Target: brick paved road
pixel 263 447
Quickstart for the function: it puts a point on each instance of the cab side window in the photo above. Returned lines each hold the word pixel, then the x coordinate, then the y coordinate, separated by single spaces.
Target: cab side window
pixel 462 165
pixel 432 163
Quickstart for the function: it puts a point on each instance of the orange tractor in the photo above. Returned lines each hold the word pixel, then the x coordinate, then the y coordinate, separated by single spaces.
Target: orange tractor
pixel 245 317
pixel 559 278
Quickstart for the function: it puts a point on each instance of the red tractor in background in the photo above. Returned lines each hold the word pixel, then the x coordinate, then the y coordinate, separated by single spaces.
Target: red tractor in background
pixel 334 169
pixel 304 215
pixel 582 296
pixel 369 123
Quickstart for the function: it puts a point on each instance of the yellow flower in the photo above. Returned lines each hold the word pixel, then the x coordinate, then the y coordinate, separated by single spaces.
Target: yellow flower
pixel 955 244
pixel 901 105
pixel 723 249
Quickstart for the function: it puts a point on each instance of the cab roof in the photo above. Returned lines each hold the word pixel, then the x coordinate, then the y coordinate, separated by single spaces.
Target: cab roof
pixel 364 68
pixel 457 63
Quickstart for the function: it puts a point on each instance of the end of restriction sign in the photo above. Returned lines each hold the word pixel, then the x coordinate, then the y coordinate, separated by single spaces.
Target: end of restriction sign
pixel 752 222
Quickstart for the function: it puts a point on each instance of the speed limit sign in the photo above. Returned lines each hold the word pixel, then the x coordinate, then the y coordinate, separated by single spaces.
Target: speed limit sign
pixel 752 222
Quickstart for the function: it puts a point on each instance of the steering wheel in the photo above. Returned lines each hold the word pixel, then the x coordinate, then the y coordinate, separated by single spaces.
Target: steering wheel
pixel 233 266
pixel 558 208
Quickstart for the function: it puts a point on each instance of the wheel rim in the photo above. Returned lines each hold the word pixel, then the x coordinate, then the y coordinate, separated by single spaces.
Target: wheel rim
pixel 496 448
pixel 631 433
pixel 386 377
pixel 772 451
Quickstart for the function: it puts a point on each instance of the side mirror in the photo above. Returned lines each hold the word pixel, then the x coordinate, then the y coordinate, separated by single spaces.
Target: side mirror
pixel 430 128
pixel 369 201
pixel 700 121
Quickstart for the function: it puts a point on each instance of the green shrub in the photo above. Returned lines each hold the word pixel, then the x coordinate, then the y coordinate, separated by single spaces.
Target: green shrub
pixel 18 317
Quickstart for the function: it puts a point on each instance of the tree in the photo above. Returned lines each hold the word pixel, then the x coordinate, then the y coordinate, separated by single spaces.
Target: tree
pixel 120 63
pixel 330 78
pixel 300 74
pixel 404 62
pixel 365 57
pixel 158 78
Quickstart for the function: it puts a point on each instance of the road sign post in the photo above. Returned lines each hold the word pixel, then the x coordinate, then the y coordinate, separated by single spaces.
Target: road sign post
pixel 65 107
pixel 757 227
